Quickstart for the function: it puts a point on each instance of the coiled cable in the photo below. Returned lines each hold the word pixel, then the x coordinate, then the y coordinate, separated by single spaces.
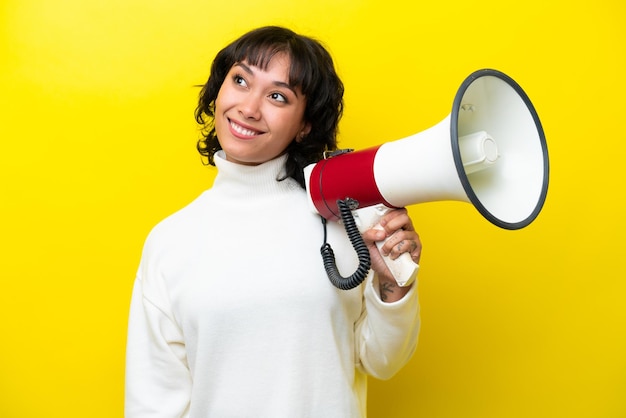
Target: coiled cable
pixel 328 256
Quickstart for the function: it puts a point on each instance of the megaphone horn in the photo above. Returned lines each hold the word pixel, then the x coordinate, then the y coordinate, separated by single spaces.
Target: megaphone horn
pixel 490 151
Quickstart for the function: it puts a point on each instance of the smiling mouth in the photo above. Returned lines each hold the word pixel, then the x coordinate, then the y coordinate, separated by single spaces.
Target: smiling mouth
pixel 240 130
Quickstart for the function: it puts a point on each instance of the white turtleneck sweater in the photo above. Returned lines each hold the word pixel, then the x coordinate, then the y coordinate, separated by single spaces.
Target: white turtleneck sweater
pixel 232 313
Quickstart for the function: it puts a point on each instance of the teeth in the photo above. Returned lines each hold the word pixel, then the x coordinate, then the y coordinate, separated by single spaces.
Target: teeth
pixel 241 130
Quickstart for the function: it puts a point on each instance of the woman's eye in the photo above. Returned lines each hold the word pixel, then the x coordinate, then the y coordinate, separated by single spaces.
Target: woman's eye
pixel 278 97
pixel 239 80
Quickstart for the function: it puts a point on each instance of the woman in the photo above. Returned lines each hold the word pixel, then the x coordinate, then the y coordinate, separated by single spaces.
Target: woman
pixel 232 313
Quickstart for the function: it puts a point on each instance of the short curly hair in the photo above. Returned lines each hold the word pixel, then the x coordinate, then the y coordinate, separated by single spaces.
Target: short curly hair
pixel 312 69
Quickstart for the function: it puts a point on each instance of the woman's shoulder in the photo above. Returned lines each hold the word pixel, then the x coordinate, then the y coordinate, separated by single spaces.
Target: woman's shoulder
pixel 181 222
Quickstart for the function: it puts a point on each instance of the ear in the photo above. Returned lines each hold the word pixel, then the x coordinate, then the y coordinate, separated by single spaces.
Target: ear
pixel 306 129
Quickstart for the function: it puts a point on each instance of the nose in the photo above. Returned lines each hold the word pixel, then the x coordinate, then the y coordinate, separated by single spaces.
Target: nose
pixel 250 107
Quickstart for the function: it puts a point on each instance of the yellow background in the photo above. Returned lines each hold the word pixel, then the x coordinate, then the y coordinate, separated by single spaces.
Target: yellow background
pixel 97 144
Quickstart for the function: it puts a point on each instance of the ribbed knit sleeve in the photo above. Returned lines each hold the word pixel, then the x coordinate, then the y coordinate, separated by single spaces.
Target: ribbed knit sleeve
pixel 386 333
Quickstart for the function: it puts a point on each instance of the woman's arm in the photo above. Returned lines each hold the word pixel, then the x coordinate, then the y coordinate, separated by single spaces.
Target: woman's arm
pixel 388 329
pixel 158 382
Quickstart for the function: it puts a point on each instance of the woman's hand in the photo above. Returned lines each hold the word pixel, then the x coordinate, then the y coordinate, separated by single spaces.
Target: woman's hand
pixel 397 225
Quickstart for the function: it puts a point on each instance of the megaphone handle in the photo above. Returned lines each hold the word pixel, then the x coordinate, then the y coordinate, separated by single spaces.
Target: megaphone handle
pixel 403 268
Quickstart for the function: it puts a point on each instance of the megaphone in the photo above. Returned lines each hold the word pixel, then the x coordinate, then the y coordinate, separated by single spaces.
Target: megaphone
pixel 490 151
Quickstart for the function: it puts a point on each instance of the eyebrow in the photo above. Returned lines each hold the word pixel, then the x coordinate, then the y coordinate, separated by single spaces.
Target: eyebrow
pixel 276 83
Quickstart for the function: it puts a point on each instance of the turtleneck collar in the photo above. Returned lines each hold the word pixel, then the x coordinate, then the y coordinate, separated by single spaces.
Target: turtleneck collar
pixel 246 181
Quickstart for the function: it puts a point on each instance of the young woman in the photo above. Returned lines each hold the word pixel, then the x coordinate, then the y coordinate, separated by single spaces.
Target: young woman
pixel 232 312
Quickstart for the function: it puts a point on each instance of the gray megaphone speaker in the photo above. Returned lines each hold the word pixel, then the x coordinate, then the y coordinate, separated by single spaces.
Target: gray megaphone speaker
pixel 490 151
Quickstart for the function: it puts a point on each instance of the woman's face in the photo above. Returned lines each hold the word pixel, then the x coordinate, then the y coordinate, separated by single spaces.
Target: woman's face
pixel 257 113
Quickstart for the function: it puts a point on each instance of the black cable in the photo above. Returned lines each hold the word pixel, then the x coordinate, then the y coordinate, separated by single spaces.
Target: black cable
pixel 346 283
